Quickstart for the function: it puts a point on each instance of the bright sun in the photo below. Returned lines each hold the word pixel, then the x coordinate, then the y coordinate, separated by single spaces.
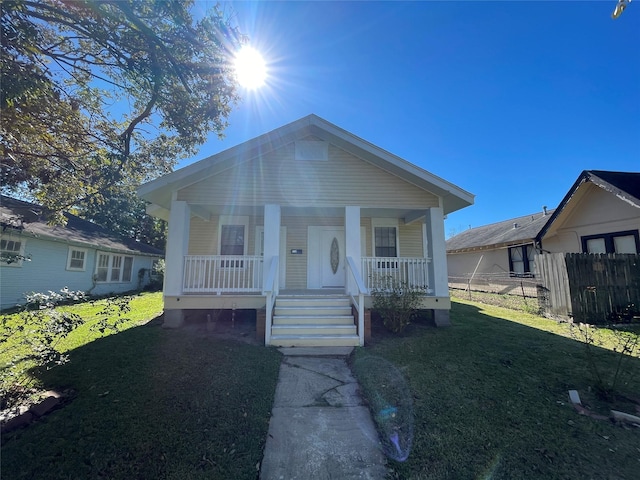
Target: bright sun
pixel 250 68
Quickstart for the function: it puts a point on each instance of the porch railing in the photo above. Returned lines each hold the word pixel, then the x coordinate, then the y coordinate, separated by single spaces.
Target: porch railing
pixel 222 273
pixel 412 271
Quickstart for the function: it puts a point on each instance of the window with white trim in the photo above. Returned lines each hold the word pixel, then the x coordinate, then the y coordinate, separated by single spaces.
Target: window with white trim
pixel 112 268
pixel 11 251
pixel 76 259
pixel 385 241
pixel 232 239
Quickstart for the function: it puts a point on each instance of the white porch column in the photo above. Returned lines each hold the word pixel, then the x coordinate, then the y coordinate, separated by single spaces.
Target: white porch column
pixel 352 242
pixel 271 240
pixel 177 248
pixel 436 249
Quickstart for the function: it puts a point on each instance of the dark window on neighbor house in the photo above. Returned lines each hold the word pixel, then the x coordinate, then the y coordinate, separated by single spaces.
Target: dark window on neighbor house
pixel 10 251
pixel 522 261
pixel 617 242
pixel 232 240
pixel 385 242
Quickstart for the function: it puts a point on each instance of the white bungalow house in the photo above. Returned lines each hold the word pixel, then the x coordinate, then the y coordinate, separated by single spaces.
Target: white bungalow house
pixel 297 224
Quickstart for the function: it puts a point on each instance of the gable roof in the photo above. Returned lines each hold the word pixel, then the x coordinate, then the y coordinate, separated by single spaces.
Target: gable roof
pixel 507 232
pixel 624 185
pixel 159 191
pixel 31 219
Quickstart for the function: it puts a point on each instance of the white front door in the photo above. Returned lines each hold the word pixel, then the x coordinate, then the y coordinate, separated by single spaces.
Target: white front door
pixel 325 259
pixel 332 258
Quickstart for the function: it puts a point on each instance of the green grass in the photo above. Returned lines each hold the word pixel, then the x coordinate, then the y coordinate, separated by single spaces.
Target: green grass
pixel 490 399
pixel 17 366
pixel 151 403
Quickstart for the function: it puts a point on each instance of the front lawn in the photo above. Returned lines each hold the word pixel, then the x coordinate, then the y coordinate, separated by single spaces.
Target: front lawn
pixel 151 403
pixel 490 400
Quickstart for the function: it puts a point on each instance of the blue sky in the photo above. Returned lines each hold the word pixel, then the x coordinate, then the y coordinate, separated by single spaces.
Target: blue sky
pixel 508 100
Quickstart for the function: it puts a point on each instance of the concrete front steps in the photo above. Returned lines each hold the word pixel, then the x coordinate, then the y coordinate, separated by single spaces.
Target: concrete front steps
pixel 313 321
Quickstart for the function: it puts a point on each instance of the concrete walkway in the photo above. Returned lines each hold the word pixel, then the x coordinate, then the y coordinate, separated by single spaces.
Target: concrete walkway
pixel 320 428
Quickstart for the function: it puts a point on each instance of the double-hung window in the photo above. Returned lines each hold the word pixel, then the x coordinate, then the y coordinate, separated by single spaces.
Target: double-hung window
pixel 233 240
pixel 385 243
pixel 113 268
pixel 76 259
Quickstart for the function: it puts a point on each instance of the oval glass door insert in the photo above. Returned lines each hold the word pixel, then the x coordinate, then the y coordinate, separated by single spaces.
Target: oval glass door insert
pixel 335 255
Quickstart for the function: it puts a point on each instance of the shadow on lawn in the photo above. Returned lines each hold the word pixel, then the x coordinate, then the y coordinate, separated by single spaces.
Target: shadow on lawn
pixel 539 344
pixel 152 403
pixel 491 400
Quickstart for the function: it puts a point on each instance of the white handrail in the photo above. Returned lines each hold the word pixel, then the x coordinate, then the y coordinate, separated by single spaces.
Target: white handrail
pixel 271 292
pixel 359 304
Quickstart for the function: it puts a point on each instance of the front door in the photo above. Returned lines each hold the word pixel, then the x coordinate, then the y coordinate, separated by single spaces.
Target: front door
pixel 326 258
pixel 332 258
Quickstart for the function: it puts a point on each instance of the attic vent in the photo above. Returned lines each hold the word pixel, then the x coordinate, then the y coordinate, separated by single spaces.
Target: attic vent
pixel 310 150
pixel 515 225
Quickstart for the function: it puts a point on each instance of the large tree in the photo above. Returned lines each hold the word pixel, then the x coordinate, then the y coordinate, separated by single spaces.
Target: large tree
pixel 97 91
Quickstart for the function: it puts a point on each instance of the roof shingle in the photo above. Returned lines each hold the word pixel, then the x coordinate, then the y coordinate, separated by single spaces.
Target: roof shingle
pixel 32 219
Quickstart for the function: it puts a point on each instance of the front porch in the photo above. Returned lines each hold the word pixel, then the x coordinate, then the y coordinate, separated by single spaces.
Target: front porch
pixel 263 257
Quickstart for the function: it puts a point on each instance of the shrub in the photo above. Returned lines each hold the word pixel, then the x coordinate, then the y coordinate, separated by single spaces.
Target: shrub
pixel 396 302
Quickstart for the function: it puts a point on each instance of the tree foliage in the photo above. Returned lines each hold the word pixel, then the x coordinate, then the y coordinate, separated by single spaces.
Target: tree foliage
pixel 119 208
pixel 97 91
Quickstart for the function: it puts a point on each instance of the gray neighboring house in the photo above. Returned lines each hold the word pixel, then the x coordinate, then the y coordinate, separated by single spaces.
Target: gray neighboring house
pixel 38 257
pixel 497 251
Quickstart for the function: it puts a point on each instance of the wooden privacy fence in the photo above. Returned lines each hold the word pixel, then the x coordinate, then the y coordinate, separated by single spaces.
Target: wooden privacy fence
pixel 589 288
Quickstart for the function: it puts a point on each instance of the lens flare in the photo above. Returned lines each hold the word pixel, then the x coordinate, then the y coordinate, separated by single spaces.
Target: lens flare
pixel 391 404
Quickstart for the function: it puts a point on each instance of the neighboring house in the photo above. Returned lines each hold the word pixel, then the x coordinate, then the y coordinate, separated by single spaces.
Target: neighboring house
pixel 298 224
pixel 492 255
pixel 599 214
pixel 38 257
